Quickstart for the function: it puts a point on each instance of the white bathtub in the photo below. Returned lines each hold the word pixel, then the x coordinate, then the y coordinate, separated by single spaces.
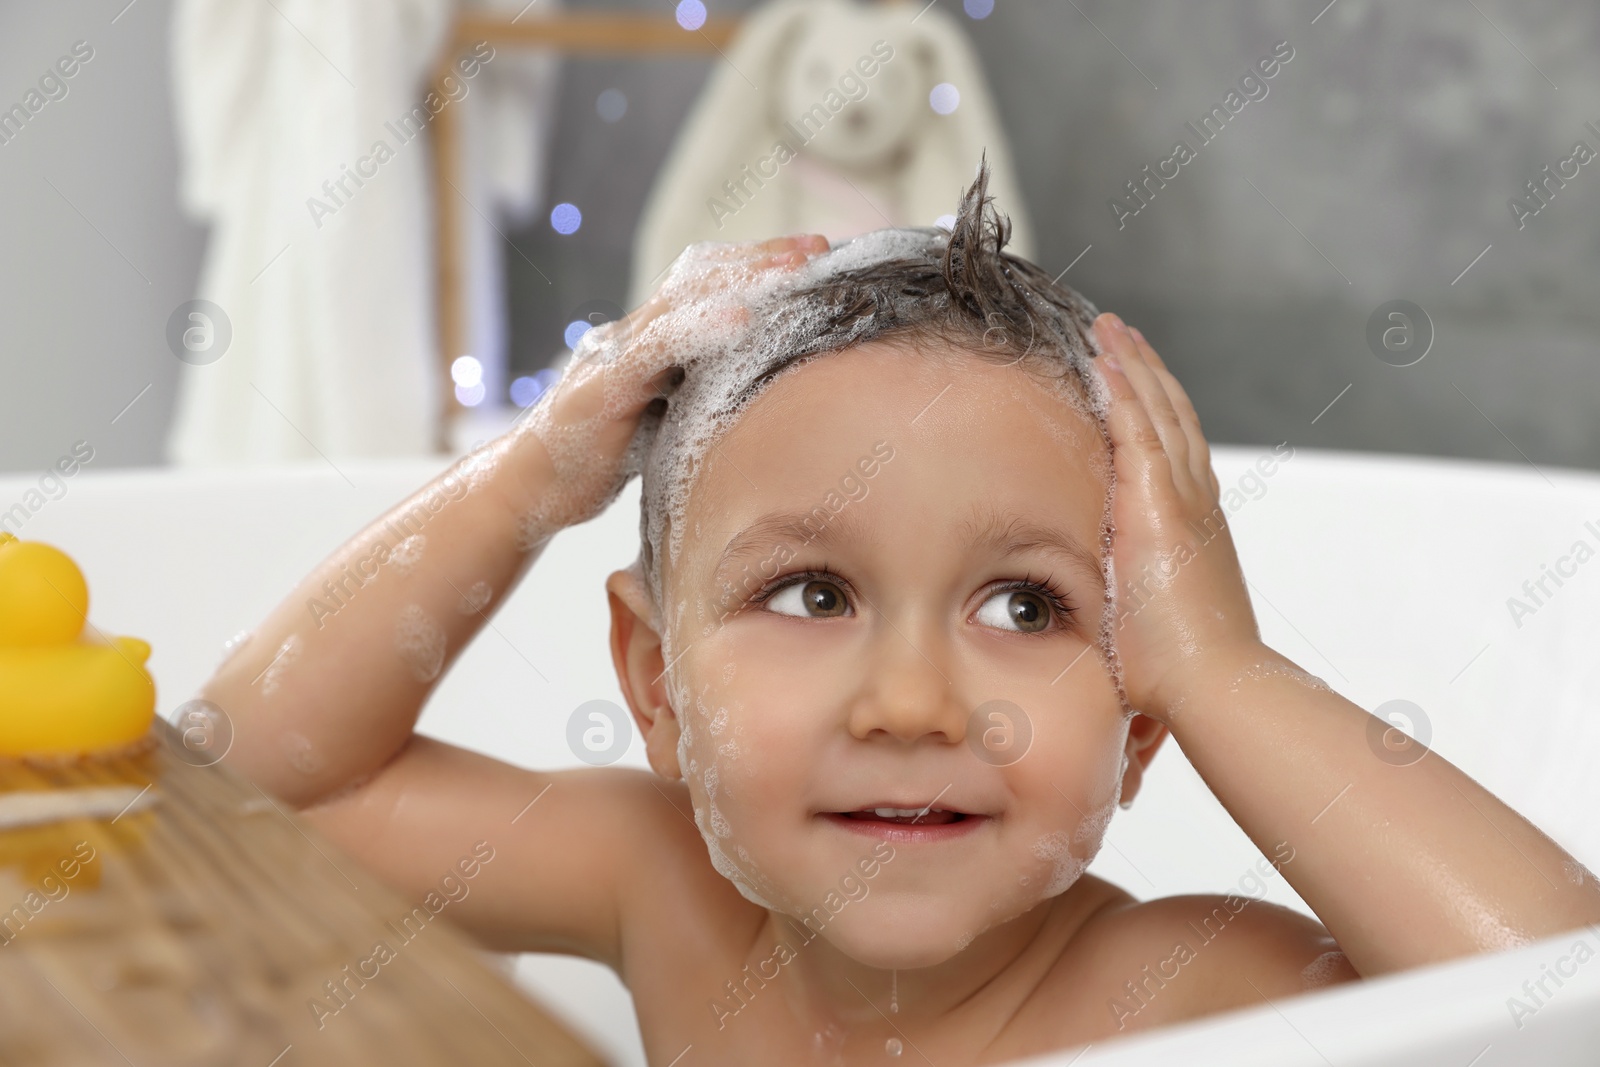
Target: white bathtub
pixel 1386 576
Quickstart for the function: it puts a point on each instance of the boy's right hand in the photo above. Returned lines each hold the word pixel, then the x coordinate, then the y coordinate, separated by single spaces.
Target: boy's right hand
pixel 589 417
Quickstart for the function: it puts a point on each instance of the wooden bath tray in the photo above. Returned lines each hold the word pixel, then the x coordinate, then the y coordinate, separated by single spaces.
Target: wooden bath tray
pixel 204 926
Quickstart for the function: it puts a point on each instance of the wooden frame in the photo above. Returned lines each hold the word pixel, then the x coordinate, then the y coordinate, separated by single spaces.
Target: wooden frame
pixel 576 33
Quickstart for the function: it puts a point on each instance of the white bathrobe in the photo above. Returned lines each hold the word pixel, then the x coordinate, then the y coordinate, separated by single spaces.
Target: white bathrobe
pixel 328 283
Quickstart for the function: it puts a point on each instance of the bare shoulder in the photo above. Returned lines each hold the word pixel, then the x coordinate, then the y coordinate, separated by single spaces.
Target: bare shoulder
pixel 1182 957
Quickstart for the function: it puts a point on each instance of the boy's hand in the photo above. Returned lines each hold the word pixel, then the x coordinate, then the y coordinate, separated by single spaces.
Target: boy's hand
pixel 589 418
pixel 1180 595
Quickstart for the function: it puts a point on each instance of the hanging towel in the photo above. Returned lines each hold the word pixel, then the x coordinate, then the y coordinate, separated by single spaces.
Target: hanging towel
pixel 829 116
pixel 304 135
pixel 328 291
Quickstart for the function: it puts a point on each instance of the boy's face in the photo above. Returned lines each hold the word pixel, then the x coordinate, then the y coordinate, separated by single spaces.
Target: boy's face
pixel 939 486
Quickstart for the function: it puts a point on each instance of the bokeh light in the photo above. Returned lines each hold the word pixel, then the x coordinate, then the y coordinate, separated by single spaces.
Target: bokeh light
pixel 529 388
pixel 471 395
pixel 575 331
pixel 691 14
pixel 978 9
pixel 944 98
pixel 611 105
pixel 566 218
pixel 947 222
pixel 466 372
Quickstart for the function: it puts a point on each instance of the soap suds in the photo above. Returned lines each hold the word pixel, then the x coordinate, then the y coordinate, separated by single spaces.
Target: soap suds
pixel 733 340
pixel 420 642
pixel 1056 849
pixel 535 529
pixel 1320 971
pixel 272 676
pixel 1258 671
pixel 475 599
pixel 405 556
pixel 478 466
pixel 302 756
pixel 715 829
pixel 1071 855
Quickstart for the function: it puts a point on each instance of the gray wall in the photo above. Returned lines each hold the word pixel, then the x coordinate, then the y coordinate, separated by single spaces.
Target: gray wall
pixel 1377 167
pixel 94 253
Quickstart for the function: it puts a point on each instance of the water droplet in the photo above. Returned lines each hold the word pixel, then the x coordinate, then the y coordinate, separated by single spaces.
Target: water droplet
pixel 894 991
pixel 893 1046
pixel 233 645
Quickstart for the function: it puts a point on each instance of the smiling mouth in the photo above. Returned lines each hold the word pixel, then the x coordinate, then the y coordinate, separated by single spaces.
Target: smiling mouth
pixel 909 826
pixel 906 816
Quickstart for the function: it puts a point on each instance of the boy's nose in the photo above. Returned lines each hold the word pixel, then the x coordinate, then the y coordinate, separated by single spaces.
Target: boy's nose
pixel 908 693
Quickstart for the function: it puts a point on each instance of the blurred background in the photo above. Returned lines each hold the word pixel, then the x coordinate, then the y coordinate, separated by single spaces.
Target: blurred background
pixel 204 151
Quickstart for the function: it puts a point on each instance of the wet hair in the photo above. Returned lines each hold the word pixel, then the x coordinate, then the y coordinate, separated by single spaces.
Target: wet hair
pixel 912 287
pixel 964 290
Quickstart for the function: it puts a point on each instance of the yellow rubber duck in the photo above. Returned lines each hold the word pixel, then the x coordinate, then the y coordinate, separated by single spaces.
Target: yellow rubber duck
pixel 61 693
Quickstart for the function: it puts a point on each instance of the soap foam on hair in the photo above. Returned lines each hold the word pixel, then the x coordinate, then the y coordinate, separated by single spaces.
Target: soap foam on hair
pixel 733 341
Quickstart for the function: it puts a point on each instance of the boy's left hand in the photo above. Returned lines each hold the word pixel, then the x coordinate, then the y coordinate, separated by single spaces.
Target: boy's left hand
pixel 1181 602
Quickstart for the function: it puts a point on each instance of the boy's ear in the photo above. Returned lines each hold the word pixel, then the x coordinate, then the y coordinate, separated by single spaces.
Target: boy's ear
pixel 1144 738
pixel 641 670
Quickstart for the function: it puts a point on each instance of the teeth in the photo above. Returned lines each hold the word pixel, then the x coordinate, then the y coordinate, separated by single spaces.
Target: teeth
pixel 896 813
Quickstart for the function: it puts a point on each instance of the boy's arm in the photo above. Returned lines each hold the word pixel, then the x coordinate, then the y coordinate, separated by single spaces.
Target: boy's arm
pixel 325 697
pixel 324 708
pixel 1407 861
pixel 525 861
pixel 330 686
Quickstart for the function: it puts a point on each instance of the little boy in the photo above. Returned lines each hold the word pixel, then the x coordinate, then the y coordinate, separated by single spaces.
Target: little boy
pixel 898 499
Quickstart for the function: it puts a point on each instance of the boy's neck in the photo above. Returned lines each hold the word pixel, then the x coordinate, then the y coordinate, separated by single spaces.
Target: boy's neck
pixel 826 986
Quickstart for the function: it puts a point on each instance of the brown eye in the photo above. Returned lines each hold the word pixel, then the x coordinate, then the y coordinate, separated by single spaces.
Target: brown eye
pixel 1016 609
pixel 816 599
